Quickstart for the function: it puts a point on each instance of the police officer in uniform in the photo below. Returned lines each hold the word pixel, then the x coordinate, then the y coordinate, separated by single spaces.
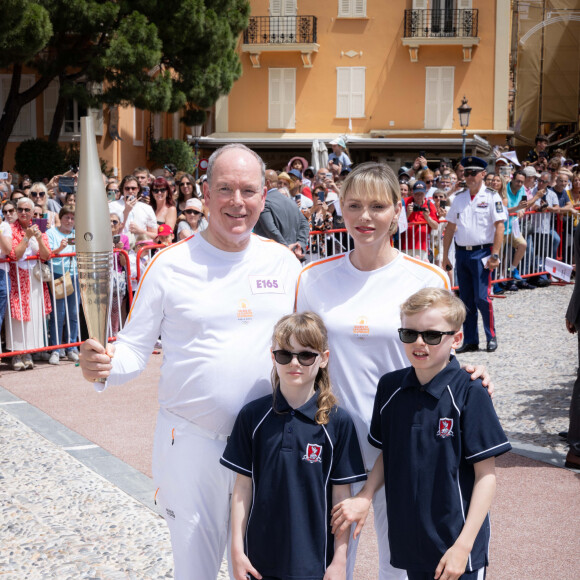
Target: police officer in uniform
pixel 476 219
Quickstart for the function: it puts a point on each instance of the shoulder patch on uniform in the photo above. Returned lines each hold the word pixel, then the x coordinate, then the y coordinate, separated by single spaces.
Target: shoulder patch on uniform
pixel 498 206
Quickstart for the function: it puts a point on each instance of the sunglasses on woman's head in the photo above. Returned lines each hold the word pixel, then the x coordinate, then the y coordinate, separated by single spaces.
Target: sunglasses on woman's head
pixel 192 211
pixel 432 337
pixel 305 358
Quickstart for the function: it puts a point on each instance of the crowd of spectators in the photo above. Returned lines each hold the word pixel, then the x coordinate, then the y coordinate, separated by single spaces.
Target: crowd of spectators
pixel 153 209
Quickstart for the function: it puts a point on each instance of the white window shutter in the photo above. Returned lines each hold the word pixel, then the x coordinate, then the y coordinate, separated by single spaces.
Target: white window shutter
pixel 359 8
pixel 50 98
pixel 446 97
pixel 464 4
pixel 343 75
pixel 357 92
pixel 282 98
pixel 289 8
pixel 289 92
pixel 344 7
pixel 275 98
pixel 275 7
pixel 419 4
pixel 432 97
pixel 97 115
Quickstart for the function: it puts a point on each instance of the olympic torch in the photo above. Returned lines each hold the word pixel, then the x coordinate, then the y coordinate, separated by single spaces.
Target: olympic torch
pixel 94 241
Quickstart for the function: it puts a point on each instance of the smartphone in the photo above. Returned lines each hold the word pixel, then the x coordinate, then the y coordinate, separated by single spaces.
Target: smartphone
pixel 116 239
pixel 443 203
pixel 321 196
pixel 422 154
pixel 66 184
pixel 71 241
pixel 111 196
pixel 41 223
pixel 3 174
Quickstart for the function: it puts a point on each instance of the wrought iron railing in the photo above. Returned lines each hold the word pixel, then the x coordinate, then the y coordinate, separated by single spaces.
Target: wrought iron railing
pixel 281 30
pixel 441 23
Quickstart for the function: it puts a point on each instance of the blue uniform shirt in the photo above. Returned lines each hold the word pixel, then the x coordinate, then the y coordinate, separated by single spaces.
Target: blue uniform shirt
pixel 293 463
pixel 431 435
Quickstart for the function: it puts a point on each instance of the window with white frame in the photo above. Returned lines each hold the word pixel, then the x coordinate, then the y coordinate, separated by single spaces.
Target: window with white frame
pixel 350 92
pixel 282 98
pixel 25 127
pixel 352 8
pixel 439 90
pixel 138 127
pixel 73 113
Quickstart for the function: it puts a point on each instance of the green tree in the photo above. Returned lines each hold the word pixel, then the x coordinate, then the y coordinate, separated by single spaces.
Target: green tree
pixel 158 55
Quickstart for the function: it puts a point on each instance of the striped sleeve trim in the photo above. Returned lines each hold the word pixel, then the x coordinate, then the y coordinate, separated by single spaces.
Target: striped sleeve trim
pixel 488 450
pixel 429 267
pixel 312 265
pixel 172 246
pixel 235 467
pixel 351 479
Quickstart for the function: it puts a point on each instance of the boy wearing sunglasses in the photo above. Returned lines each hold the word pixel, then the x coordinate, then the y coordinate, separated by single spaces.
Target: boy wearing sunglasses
pixel 439 436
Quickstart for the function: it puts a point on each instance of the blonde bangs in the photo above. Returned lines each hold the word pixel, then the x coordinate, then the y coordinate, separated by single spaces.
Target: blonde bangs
pixel 373 181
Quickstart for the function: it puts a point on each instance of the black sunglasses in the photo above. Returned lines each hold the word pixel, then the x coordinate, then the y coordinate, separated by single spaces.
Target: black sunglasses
pixel 185 183
pixel 112 191
pixel 192 211
pixel 154 190
pixel 431 337
pixel 305 358
pixel 471 172
pixel 37 194
pixel 115 222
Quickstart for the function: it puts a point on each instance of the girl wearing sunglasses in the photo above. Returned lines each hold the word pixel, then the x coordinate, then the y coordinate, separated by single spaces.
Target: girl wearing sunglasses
pixel 195 220
pixel 286 448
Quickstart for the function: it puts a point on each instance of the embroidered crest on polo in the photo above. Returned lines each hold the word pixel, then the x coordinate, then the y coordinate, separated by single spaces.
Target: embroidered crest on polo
pixel 361 327
pixel 445 428
pixel 245 313
pixel 313 453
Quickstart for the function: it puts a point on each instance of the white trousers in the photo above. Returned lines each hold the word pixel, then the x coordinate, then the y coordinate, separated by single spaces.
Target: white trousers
pixel 386 571
pixel 193 494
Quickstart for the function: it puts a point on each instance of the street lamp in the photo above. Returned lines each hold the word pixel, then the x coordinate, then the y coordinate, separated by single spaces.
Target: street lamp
pixel 196 136
pixel 464 111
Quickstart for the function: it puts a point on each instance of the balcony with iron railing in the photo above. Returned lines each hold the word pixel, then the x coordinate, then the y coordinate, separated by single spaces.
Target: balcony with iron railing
pixel 441 27
pixel 281 34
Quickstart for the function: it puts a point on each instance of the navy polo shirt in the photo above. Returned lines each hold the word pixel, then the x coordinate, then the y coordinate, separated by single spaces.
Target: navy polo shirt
pixel 431 435
pixel 293 463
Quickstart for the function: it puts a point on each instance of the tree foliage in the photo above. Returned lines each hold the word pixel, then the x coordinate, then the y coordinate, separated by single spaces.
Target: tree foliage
pixel 173 151
pixel 158 55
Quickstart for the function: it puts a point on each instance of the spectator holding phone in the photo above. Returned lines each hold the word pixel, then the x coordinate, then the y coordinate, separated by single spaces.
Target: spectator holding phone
pixel 422 218
pixel 39 195
pixel 138 217
pixel 120 242
pixel 64 320
pixel 29 297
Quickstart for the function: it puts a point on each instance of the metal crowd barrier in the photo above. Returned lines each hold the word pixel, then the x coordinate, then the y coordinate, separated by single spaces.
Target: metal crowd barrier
pixel 33 336
pixel 547 235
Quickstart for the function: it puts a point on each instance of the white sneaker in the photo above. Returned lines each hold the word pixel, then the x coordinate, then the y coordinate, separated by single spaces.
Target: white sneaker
pixel 17 363
pixel 73 356
pixel 54 358
pixel 28 362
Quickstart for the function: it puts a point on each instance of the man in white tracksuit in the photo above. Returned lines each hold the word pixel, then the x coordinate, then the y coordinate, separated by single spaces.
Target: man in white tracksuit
pixel 214 299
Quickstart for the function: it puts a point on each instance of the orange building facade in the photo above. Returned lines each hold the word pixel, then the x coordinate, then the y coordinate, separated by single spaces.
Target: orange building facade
pixel 387 76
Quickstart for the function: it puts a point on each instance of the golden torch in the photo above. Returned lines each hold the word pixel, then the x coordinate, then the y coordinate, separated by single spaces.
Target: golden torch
pixel 94 241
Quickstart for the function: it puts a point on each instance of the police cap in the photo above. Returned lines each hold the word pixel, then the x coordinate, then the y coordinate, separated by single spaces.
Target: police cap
pixel 473 163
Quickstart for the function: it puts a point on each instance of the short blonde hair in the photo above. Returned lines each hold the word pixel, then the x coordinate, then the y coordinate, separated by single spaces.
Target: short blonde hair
pixel 374 180
pixel 453 308
pixel 37 187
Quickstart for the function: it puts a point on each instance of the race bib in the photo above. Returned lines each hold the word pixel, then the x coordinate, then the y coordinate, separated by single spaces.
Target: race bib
pixel 266 285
